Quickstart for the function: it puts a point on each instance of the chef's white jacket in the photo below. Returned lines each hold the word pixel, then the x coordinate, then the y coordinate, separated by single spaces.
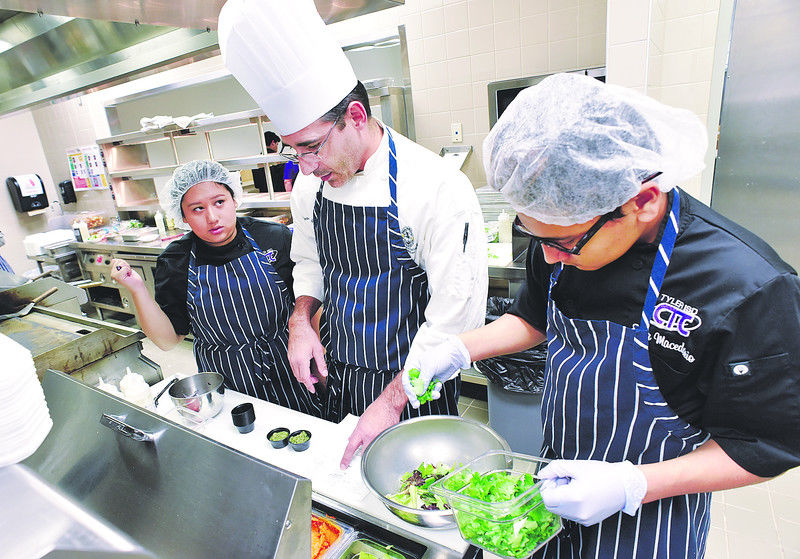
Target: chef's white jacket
pixel 434 201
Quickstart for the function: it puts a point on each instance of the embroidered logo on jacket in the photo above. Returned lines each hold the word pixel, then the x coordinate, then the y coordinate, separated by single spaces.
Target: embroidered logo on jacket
pixel 272 255
pixel 675 316
pixel 408 239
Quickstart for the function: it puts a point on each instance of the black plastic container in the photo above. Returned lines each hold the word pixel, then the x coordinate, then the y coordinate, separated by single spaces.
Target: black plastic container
pixel 299 447
pixel 244 417
pixel 281 443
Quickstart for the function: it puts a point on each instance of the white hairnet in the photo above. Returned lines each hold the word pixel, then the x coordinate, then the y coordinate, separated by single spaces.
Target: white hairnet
pixel 571 148
pixel 192 173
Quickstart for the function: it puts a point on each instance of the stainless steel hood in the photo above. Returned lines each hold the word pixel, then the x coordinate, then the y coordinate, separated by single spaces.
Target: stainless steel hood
pixel 55 48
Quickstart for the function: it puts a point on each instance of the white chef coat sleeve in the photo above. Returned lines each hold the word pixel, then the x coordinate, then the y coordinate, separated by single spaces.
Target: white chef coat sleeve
pixel 457 273
pixel 307 273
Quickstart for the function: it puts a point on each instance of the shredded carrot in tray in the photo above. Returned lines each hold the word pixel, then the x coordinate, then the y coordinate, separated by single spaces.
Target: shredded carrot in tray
pixel 323 535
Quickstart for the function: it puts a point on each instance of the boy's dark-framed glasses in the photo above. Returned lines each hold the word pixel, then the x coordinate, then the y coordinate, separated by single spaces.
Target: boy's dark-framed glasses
pixel 575 250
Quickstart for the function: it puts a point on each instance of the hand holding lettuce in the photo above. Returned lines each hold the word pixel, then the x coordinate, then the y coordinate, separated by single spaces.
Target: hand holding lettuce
pixel 433 367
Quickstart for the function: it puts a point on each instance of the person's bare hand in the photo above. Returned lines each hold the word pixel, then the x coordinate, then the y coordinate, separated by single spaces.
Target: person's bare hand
pixel 378 417
pixel 123 274
pixel 305 347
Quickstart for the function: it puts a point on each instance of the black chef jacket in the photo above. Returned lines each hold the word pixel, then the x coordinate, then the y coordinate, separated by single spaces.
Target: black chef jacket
pixel 725 348
pixel 172 267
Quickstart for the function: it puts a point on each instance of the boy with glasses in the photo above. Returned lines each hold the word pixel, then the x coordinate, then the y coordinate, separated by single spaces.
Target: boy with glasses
pixel 672 333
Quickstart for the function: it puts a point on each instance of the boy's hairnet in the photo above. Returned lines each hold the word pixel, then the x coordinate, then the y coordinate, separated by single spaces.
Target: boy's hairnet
pixel 571 148
pixel 192 173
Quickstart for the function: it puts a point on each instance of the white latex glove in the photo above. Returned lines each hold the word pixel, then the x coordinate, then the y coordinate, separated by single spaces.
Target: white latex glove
pixel 440 364
pixel 595 490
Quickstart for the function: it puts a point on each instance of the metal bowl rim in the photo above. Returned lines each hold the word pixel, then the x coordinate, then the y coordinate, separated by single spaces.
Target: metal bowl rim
pixel 219 388
pixel 403 508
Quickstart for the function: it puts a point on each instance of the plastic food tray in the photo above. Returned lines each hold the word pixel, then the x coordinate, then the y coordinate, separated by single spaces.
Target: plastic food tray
pixel 335 547
pixel 361 547
pixel 500 527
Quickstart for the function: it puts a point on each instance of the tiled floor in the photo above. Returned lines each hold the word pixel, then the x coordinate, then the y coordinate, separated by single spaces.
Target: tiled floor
pixel 761 521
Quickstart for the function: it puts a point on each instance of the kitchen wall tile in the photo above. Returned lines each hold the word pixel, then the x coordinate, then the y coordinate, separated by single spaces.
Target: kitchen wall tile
pixel 533 30
pixel 563 55
pixel 683 34
pixel 746 547
pixel 677 67
pixel 467 119
pixel 535 60
pixel 683 8
pixel 703 64
pixel 482 66
pixel 456 17
pixel 480 12
pixel 554 5
pixel 591 51
pixel 743 521
pixel 790 535
pixel 480 94
pixel 711 6
pixel 506 35
pixel 458 71
pixel 421 99
pixel 710 23
pixel 481 119
pixel 433 22
pixel 628 64
pixel 786 483
pixel 628 20
pixel 592 18
pixel 563 24
pixel 532 7
pixel 481 39
pixel 419 78
pixel 439 99
pixel 434 49
pixel 460 97
pixel 457 44
pixel 506 10
pixel 429 4
pixel 437 74
pixel 413 23
pixel 440 125
pixel 717 517
pixel 416 53
pixel 753 498
pixel 786 506
pixel 508 63
pixel 716 544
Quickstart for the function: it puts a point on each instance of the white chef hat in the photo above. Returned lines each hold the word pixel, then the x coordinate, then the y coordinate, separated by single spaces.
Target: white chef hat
pixel 287 60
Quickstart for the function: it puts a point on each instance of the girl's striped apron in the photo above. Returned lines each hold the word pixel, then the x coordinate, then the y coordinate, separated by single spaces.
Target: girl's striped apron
pixel 239 314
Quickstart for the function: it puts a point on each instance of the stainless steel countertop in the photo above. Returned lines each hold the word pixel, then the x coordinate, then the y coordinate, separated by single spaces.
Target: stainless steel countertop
pixel 153 248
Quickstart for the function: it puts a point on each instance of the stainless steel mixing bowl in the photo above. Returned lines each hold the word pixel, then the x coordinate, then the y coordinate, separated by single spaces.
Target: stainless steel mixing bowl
pixel 198 397
pixel 432 439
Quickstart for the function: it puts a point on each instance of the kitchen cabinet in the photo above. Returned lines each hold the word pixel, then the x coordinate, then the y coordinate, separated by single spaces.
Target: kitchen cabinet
pixel 134 169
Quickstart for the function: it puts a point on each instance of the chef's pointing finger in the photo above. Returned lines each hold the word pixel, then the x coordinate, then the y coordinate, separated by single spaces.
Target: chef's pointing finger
pixel 353 444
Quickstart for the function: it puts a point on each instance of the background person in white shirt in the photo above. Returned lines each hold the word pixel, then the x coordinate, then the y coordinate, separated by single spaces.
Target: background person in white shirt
pixel 388 238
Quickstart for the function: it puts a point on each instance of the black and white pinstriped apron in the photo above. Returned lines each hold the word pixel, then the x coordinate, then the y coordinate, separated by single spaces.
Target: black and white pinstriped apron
pixel 239 314
pixel 601 402
pixel 375 299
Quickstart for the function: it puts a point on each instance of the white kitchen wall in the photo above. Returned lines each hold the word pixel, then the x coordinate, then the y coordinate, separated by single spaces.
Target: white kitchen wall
pixel 456 47
pixel 666 49
pixel 21 154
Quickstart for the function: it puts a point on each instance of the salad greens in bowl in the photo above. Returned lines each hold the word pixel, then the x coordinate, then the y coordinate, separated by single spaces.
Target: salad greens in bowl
pixel 428 445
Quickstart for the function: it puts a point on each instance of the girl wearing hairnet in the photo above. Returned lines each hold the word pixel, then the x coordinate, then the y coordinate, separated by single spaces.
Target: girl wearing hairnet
pixel 229 283
pixel 673 361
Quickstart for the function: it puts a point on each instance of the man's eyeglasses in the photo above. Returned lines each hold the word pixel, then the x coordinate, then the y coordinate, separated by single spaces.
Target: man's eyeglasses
pixel 585 238
pixel 311 156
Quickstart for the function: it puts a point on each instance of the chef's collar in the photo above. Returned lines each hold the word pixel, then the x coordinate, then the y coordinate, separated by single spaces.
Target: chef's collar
pixel 380 156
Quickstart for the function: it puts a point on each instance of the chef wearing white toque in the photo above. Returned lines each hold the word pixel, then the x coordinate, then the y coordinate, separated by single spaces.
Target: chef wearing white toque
pixel 388 239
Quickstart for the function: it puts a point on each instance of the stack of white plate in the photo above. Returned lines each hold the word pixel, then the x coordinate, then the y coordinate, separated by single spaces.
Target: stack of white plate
pixel 24 417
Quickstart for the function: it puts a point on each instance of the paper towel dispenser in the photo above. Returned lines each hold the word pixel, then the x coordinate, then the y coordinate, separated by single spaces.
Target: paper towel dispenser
pixel 27 192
